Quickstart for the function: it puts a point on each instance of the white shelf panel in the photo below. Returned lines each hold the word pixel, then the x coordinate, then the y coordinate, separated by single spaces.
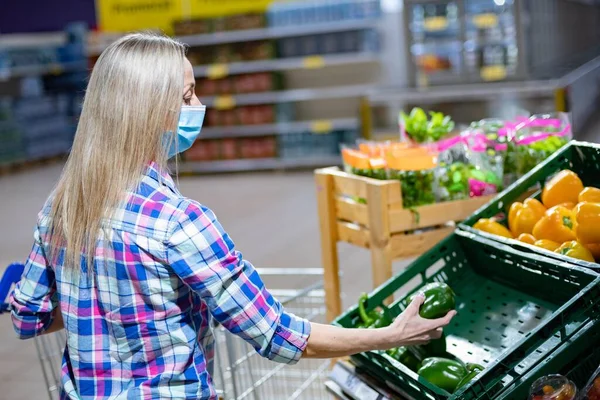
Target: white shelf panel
pixel 257 164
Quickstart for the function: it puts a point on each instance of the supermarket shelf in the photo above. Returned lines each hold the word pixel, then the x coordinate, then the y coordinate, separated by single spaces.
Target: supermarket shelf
pixel 275 33
pixel 50 69
pixel 522 89
pixel 257 164
pixel 286 96
pixel 284 64
pixel 318 126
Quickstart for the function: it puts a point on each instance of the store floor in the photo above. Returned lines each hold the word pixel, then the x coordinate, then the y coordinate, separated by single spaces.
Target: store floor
pixel 272 217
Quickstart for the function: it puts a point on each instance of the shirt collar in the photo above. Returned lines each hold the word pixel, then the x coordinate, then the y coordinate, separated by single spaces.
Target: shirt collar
pixel 155 172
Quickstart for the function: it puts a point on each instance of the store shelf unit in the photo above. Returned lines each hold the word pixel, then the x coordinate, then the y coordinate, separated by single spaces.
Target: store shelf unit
pixel 276 32
pixel 252 81
pixel 190 167
pixel 285 64
pixel 316 126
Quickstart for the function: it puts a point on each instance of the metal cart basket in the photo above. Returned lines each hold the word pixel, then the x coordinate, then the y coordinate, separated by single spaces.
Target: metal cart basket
pixel 240 373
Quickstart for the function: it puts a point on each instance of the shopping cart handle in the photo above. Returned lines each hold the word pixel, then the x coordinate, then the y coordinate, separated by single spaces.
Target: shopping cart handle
pixel 11 276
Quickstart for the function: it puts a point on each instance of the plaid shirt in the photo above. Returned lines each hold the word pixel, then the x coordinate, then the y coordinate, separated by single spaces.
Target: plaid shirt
pixel 139 326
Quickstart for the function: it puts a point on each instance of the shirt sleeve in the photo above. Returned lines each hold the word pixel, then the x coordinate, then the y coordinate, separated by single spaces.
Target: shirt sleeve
pixel 204 257
pixel 33 299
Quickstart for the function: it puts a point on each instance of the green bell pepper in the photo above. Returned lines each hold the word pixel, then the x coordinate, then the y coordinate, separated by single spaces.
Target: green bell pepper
pixel 436 347
pixel 409 357
pixel 472 371
pixel 439 300
pixel 443 373
pixel 372 319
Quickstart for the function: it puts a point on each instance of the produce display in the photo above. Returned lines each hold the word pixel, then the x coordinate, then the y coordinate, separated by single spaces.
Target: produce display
pixel 431 361
pixel 421 129
pixel 565 221
pixel 538 138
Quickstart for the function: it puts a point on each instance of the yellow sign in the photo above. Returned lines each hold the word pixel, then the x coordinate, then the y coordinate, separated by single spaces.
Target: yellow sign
pixel 435 24
pixel 487 20
pixel 217 71
pixel 218 8
pixel 321 127
pixel 224 102
pixel 132 15
pixel 313 62
pixel 493 73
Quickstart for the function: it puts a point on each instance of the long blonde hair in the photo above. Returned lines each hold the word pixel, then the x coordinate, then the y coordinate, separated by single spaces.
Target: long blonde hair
pixel 133 97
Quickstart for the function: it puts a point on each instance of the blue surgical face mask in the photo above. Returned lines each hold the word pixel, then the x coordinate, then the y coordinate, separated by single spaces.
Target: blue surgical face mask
pixel 188 129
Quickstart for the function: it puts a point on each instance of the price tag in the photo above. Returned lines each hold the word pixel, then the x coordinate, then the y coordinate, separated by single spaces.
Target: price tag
pixel 493 73
pixel 352 384
pixel 313 62
pixel 224 102
pixel 485 21
pixel 321 127
pixel 435 24
pixel 217 71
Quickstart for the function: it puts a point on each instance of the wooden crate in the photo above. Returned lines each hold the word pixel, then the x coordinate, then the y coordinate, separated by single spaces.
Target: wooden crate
pixel 381 225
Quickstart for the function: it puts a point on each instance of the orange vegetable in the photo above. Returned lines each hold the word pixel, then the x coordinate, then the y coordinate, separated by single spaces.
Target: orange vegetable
pixel 564 187
pixel 557 225
pixel 493 227
pixel 594 248
pixel 526 238
pixel 590 194
pixel 547 244
pixel 522 217
pixel 576 250
pixel 588 222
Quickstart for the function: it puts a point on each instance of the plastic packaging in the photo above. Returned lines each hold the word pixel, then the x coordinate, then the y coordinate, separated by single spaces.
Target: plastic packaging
pixel 592 388
pixel 553 387
pixel 415 169
pixel 539 137
pixel 453 170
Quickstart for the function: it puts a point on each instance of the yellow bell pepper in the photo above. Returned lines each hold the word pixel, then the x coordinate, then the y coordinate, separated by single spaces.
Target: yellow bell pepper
pixel 557 225
pixel 590 194
pixel 594 248
pixel 522 217
pixel 576 250
pixel 526 238
pixel 588 222
pixel 547 244
pixel 491 226
pixel 564 187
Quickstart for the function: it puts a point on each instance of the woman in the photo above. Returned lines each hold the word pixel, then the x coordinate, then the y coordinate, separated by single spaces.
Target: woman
pixel 135 272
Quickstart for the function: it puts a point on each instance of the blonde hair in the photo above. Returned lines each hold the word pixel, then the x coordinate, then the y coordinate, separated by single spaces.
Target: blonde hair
pixel 133 97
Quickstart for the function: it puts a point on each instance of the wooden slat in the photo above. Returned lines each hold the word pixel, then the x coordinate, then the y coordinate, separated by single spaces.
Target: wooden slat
pixel 329 238
pixel 356 186
pixel 350 211
pixel 402 220
pixel 379 233
pixel 353 234
pixel 411 245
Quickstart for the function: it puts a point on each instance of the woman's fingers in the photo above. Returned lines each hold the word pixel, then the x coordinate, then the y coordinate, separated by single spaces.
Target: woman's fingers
pixel 441 322
pixel 413 307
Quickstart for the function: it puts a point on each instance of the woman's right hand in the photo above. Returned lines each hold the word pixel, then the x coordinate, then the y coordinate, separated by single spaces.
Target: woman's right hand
pixel 409 328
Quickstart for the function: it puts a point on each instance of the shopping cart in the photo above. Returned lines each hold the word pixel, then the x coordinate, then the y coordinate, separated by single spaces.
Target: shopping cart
pixel 240 373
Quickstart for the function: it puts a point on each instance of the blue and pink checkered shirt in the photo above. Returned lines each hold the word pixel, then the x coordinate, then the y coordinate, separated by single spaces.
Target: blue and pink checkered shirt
pixel 139 326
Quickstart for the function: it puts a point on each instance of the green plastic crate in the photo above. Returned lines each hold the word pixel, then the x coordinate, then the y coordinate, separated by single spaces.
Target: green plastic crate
pixel 577 359
pixel 581 158
pixel 514 309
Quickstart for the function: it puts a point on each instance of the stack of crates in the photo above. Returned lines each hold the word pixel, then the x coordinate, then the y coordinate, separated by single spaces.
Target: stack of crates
pixel 523 312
